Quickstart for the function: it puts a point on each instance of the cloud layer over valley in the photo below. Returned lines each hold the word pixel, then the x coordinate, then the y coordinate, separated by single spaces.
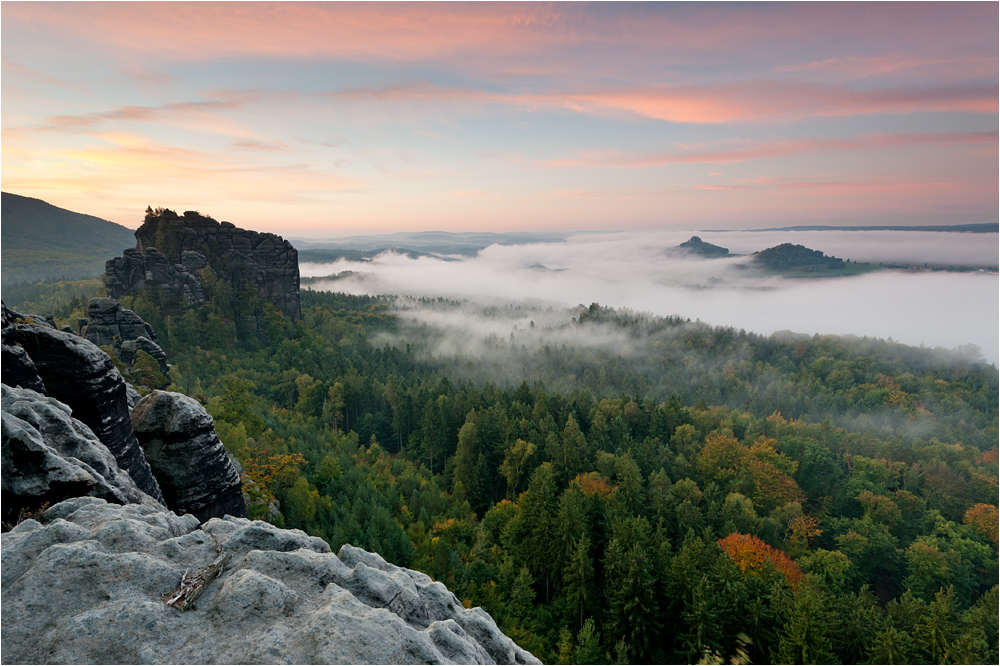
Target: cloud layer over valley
pixel 636 271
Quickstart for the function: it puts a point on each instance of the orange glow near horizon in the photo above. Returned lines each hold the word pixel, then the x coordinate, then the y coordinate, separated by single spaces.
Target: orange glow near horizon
pixel 339 118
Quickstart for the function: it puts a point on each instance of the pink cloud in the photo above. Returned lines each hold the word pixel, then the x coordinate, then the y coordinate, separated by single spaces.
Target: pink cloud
pixel 757 101
pixel 863 67
pixel 772 100
pixel 720 188
pixel 618 159
pixel 536 36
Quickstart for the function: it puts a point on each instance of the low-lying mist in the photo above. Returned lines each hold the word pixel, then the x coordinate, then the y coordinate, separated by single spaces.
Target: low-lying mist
pixel 637 272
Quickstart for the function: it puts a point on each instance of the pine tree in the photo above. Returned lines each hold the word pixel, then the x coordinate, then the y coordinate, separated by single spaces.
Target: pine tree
pixel 588 645
pixel 578 574
pixel 540 506
pixel 467 452
pixel 805 637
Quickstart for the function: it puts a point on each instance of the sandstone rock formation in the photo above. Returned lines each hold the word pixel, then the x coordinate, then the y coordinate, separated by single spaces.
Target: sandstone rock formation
pixel 136 271
pixel 85 586
pixel 173 253
pixel 16 367
pixel 109 324
pixel 190 463
pixel 128 353
pixel 107 319
pixel 48 456
pixel 80 375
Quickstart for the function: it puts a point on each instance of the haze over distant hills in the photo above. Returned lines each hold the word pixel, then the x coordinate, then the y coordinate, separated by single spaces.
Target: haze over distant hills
pixel 414 244
pixel 41 241
pixel 985 228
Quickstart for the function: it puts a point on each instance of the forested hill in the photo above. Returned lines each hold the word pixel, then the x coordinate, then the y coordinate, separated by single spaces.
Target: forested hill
pixel 628 507
pixel 41 241
pixel 789 257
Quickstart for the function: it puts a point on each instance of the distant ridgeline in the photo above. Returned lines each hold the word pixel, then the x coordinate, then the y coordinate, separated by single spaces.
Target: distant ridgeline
pixel 41 241
pixel 189 260
pixel 795 258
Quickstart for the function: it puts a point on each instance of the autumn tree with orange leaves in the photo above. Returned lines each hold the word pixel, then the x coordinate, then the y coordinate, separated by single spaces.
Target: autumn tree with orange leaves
pixel 983 519
pixel 751 556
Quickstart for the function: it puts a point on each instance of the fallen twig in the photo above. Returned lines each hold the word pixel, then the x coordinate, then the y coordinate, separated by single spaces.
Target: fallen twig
pixel 191 586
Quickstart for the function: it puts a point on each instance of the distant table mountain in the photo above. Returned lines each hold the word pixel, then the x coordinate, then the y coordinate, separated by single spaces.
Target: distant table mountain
pixel 40 241
pixel 697 246
pixel 795 258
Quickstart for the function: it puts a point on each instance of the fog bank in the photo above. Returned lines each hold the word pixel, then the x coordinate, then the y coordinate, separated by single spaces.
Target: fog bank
pixel 632 270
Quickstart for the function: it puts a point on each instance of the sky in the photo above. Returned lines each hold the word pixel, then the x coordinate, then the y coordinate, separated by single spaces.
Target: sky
pixel 331 119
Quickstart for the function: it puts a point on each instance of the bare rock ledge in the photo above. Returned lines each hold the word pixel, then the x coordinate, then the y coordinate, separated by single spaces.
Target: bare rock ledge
pixel 85 585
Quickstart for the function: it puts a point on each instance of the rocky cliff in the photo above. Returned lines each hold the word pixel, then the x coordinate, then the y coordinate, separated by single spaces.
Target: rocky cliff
pixel 175 255
pixel 95 569
pixel 77 373
pixel 109 324
pixel 108 575
pixel 49 456
pixel 99 583
pixel 190 463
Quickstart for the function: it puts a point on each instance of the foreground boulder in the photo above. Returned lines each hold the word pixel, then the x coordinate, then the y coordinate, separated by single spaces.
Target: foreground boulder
pixel 191 465
pixel 48 456
pixel 86 585
pixel 80 375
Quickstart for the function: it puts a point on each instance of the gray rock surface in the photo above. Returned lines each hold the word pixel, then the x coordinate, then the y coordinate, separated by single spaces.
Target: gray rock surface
pixel 107 319
pixel 108 323
pixel 128 353
pixel 85 586
pixel 132 396
pixel 83 377
pixel 191 465
pixel 16 367
pixel 48 456
pixel 171 250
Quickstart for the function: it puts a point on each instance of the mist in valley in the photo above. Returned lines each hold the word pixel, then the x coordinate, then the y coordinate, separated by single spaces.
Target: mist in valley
pixel 544 283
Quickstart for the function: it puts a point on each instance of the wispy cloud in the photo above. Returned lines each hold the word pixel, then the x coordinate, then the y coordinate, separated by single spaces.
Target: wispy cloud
pixel 865 67
pixel 756 150
pixel 165 113
pixel 738 102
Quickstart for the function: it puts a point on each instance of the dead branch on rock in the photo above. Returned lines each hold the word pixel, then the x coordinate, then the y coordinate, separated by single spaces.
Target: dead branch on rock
pixel 191 586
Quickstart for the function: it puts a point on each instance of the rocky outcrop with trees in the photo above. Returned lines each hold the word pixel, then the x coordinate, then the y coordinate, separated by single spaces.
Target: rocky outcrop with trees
pixel 187 260
pixel 108 324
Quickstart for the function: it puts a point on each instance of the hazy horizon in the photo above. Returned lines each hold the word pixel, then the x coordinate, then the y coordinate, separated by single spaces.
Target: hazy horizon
pixel 354 118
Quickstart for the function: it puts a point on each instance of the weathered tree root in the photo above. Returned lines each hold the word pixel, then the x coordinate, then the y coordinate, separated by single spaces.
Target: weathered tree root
pixel 192 585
